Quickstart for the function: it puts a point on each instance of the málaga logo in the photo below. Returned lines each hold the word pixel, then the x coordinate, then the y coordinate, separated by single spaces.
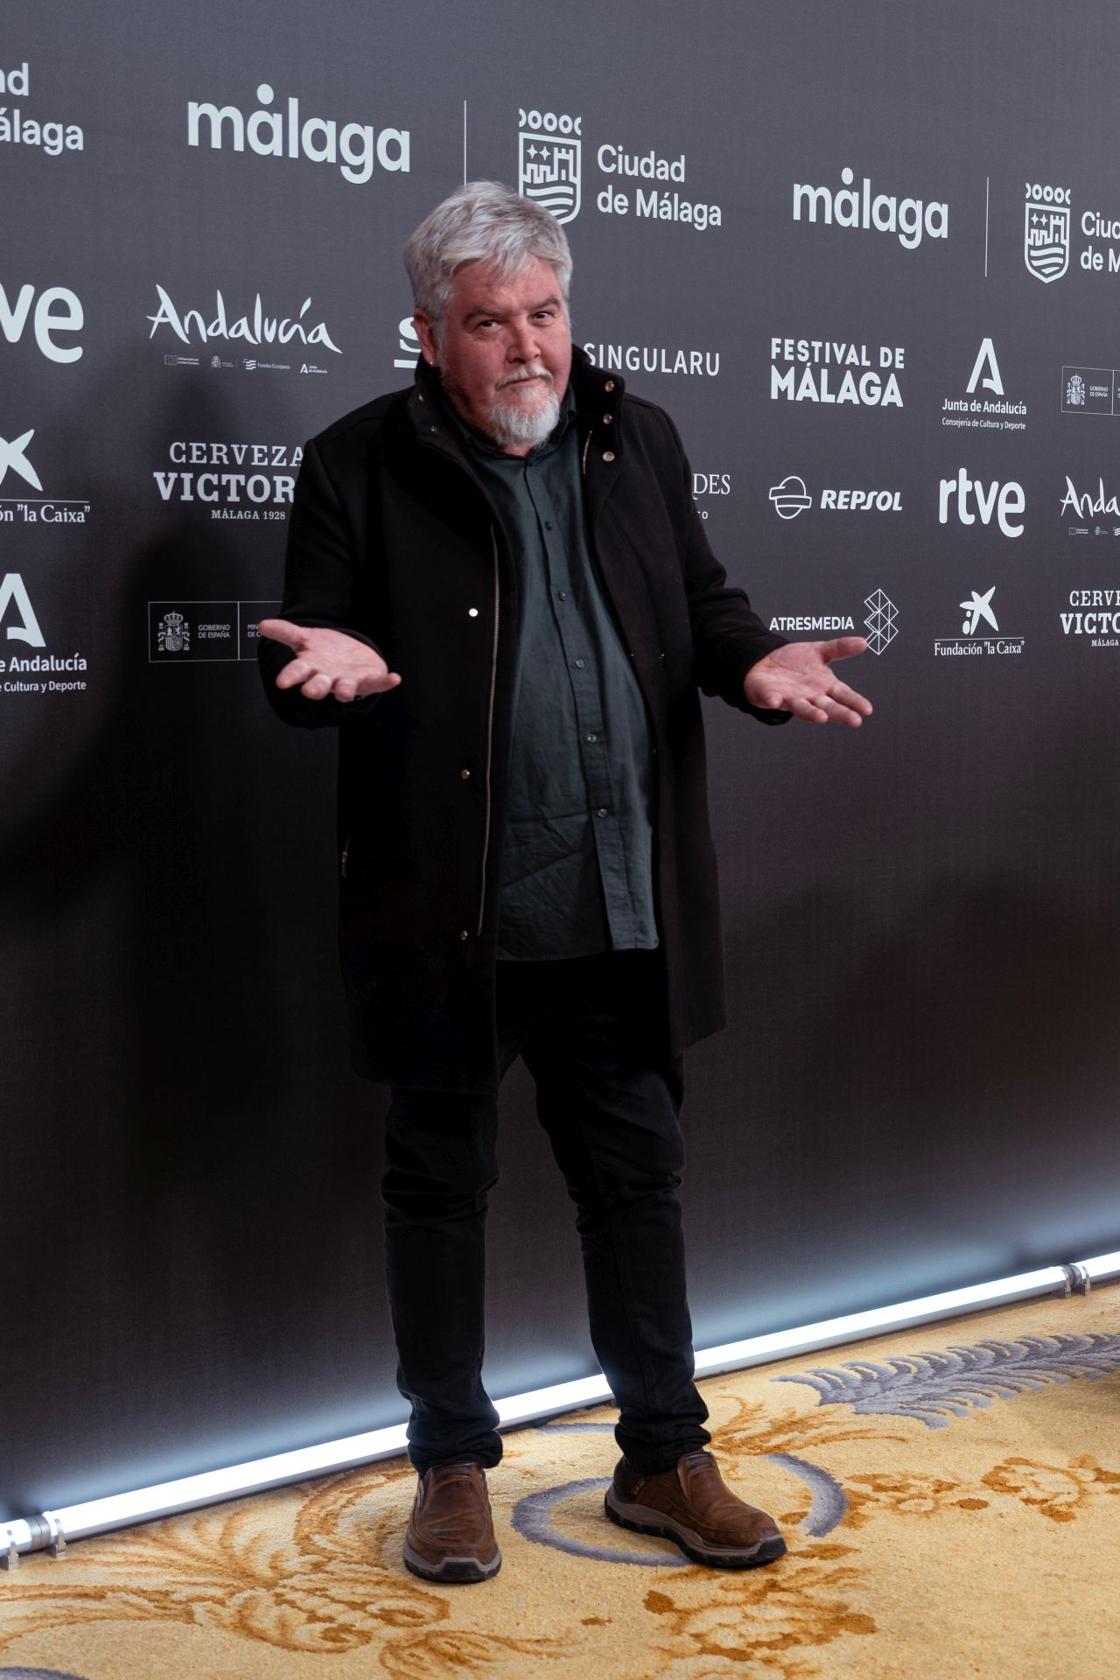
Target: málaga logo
pixel 549 156
pixel 1046 232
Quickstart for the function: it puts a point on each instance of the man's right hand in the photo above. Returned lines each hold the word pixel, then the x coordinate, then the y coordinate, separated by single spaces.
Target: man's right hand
pixel 328 662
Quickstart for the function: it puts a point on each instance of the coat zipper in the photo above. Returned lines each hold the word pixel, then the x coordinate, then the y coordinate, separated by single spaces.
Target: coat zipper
pixel 489 732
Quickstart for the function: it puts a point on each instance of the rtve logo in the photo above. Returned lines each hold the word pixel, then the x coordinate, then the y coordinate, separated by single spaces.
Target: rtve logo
pixel 58 310
pixel 963 494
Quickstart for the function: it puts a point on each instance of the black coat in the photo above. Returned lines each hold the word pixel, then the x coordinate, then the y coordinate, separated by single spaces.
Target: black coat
pixel 393 538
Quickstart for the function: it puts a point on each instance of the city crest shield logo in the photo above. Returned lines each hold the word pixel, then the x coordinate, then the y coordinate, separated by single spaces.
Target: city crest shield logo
pixel 549 159
pixel 1046 240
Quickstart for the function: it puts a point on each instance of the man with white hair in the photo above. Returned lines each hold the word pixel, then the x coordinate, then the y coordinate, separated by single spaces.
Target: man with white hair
pixel 498 586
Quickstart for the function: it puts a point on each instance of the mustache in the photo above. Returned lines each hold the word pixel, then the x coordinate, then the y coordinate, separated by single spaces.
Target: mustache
pixel 531 370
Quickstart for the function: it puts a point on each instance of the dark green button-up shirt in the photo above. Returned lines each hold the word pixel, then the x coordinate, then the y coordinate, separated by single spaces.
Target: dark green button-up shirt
pixel 577 857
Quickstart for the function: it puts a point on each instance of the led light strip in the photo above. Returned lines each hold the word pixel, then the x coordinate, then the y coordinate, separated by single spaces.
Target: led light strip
pixel 99 1516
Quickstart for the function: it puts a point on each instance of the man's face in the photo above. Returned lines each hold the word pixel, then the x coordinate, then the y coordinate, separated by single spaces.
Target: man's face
pixel 505 352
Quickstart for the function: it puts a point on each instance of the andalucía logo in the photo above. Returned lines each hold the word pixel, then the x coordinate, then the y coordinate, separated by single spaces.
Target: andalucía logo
pixel 1046 232
pixel 549 161
pixel 254 327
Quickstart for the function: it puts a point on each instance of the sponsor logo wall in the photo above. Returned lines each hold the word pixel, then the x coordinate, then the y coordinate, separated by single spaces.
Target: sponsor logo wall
pixel 890 365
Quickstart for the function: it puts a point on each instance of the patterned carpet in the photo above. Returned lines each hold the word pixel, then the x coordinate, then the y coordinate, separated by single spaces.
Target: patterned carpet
pixel 951 1497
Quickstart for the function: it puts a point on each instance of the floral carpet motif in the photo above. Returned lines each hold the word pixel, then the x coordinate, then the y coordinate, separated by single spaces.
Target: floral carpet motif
pixel 951 1510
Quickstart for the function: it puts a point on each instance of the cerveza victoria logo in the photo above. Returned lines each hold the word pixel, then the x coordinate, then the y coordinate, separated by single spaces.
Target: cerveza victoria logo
pixel 790 497
pixel 286 133
pixel 1094 614
pixel 231 480
pixel 980 635
pixel 195 327
pixel 829 370
pixel 550 172
pixel 862 207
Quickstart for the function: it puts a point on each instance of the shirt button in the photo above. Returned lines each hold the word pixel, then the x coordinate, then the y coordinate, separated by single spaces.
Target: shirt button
pixel 472 612
pixel 608 454
pixel 464 775
pixel 561 594
pixel 548 524
pixel 592 737
pixel 579 664
pixel 602 811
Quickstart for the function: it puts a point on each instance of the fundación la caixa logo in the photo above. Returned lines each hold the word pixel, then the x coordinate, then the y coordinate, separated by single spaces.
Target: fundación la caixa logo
pixel 24 508
pixel 974 640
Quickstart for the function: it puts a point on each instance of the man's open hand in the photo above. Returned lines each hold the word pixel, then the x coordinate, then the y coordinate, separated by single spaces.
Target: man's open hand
pixel 797 678
pixel 328 662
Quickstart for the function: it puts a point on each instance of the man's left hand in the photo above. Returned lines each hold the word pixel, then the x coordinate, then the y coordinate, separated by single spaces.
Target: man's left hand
pixel 797 678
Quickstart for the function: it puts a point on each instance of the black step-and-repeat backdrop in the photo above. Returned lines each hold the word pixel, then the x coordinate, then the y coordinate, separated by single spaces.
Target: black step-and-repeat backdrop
pixel 869 258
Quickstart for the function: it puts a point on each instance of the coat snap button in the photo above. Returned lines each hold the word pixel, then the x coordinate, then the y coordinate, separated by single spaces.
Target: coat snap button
pixel 472 612
pixel 607 419
pixel 463 934
pixel 464 775
pixel 608 454
pixel 609 386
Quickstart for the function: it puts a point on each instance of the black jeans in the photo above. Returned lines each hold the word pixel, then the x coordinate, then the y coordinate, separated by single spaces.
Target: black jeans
pixel 588 1030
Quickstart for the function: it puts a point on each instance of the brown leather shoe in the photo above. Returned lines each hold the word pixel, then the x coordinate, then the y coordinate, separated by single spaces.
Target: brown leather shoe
pixel 450 1535
pixel 693 1506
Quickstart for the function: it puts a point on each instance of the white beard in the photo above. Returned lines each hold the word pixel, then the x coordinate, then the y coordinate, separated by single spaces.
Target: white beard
pixel 512 424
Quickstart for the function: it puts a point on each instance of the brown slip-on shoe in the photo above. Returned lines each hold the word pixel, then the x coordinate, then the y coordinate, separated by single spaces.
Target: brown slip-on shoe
pixel 693 1506
pixel 450 1534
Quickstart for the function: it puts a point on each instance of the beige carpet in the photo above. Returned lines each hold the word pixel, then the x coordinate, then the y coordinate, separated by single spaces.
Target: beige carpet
pixel 951 1497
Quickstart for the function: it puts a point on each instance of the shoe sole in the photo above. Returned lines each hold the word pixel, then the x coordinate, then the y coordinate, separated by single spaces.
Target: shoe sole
pixel 453 1571
pixel 693 1545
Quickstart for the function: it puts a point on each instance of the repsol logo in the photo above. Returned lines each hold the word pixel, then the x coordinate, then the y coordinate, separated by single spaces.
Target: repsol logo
pixel 865 501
